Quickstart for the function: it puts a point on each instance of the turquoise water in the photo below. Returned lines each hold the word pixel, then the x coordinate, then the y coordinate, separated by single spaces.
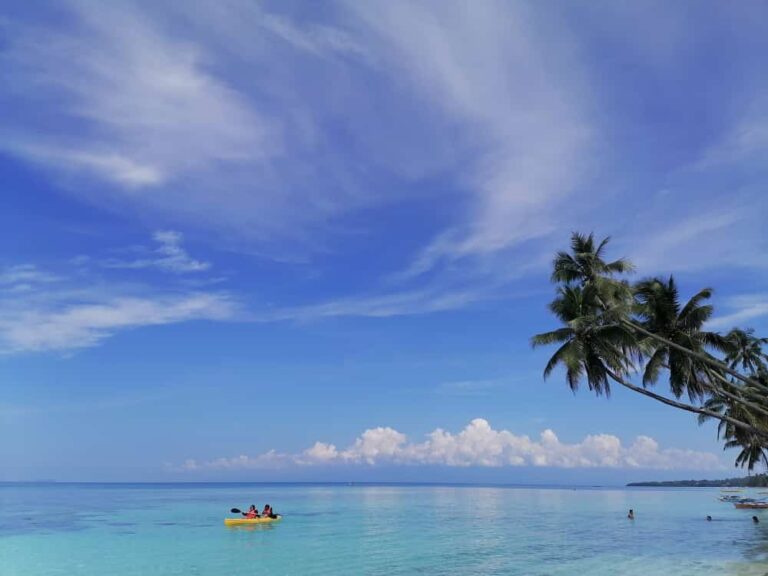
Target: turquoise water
pixel 122 530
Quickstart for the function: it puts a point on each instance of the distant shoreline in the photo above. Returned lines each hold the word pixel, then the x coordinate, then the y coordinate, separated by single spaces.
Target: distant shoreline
pixel 757 481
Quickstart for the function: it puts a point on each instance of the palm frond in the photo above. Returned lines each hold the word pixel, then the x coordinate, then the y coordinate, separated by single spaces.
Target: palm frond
pixel 553 337
pixel 561 356
pixel 654 366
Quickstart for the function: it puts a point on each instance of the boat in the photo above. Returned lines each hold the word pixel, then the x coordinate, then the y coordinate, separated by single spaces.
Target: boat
pixel 752 505
pixel 731 498
pixel 250 521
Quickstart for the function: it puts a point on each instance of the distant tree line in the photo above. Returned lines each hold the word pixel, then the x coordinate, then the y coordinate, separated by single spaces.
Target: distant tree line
pixel 638 334
pixel 754 481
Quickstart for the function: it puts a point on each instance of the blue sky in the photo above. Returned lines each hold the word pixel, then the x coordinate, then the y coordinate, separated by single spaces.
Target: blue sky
pixel 282 240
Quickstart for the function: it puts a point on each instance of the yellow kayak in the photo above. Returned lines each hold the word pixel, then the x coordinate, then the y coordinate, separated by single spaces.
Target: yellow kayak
pixel 249 521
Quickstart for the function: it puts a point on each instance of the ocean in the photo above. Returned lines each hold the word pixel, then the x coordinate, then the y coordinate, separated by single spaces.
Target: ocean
pixel 177 529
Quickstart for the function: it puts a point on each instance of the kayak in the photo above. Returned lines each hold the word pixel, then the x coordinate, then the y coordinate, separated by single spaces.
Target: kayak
pixel 751 505
pixel 250 521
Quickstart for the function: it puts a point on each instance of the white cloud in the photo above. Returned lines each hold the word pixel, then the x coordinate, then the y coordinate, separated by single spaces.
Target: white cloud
pixel 376 444
pixel 24 275
pixel 31 326
pixel 516 96
pixel 271 459
pixel 745 308
pixel 319 452
pixel 478 444
pixel 469 387
pixel 316 39
pixel 169 256
pixel 142 106
pixel 213 114
pixel 153 109
pixel 746 140
pixel 382 306
pixel 115 166
pixel 78 308
pixel 724 236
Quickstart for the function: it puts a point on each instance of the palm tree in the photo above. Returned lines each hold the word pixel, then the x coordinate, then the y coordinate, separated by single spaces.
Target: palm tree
pixel 752 452
pixel 595 348
pixel 753 447
pixel 602 342
pixel 587 347
pixel 660 312
pixel 585 265
pixel 746 351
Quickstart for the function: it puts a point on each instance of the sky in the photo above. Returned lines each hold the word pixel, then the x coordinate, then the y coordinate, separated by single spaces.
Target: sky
pixel 297 241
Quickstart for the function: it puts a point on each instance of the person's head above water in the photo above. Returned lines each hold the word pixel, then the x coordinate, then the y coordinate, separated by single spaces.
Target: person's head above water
pixel 755 519
pixel 709 518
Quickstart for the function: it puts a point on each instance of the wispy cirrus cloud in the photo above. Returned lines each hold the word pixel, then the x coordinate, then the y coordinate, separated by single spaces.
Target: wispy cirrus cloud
pixel 140 107
pixel 255 122
pixel 38 324
pixel 519 100
pixel 151 108
pixel 169 255
pixel 403 303
pixel 746 140
pixel 72 309
pixel 469 387
pixel 161 116
pixel 728 236
pixel 742 310
pixel 23 276
pixel 478 444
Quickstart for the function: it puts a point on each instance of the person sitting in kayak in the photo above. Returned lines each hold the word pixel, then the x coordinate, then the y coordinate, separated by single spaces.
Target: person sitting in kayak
pixel 268 513
pixel 252 512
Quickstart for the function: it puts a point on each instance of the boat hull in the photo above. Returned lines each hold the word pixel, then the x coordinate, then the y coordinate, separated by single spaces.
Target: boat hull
pixel 250 521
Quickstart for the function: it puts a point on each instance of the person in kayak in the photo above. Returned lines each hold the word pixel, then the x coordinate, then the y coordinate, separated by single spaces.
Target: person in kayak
pixel 268 513
pixel 252 512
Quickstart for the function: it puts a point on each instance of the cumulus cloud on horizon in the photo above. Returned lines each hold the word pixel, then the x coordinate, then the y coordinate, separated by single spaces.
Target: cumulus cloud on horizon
pixel 477 445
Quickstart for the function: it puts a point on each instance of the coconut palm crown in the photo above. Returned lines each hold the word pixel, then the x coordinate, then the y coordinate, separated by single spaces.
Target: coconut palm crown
pixel 659 311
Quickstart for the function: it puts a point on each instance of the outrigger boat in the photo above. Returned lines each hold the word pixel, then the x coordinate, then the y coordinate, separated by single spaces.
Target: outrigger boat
pixel 730 498
pixel 751 505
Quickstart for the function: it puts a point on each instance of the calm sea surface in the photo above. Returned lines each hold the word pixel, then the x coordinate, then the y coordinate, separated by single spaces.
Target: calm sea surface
pixel 147 530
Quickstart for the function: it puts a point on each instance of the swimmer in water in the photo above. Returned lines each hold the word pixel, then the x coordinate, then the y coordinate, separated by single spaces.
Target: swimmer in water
pixel 631 514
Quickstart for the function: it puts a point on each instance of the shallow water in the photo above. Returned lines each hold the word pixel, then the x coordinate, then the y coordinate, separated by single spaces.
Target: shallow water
pixel 122 530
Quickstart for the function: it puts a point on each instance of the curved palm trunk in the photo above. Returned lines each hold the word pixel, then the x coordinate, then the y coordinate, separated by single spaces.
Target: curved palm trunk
pixel 688 407
pixel 699 356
